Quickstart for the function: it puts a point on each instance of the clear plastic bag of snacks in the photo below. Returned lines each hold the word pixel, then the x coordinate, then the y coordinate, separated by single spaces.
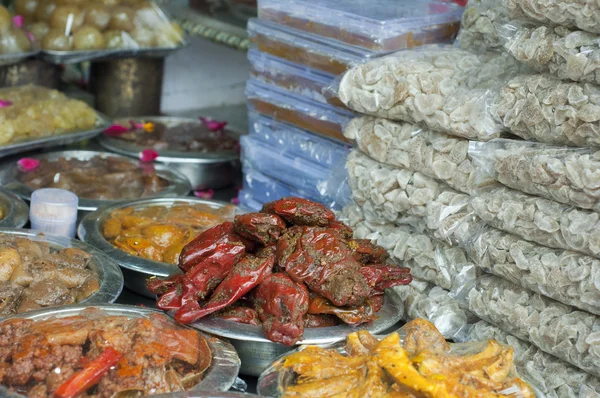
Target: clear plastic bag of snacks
pixel 478 29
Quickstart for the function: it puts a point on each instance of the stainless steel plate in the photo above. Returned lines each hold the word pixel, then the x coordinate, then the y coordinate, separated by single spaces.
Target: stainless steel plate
pixel 220 376
pixel 213 170
pixel 102 123
pixel 75 57
pixel 15 58
pixel 9 173
pixel 136 269
pixel 109 274
pixel 16 212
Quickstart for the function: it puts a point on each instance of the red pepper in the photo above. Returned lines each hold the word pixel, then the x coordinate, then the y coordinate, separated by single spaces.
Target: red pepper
pixel 91 374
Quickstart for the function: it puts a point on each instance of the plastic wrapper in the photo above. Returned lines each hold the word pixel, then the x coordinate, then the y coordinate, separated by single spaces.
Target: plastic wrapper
pixel 91 26
pixel 416 355
pixel 429 259
pixel 563 174
pixel 543 108
pixel 563 275
pixel 296 142
pixel 248 203
pixel 382 26
pixel 554 377
pixel 25 114
pixel 573 55
pixel 555 328
pixel 412 147
pixel 540 220
pixel 478 29
pixel 281 105
pixel 584 15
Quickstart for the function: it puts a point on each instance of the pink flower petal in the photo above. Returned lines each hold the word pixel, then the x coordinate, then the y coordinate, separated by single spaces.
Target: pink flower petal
pixel 235 201
pixel 4 104
pixel 115 130
pixel 28 164
pixel 31 36
pixel 148 155
pixel 136 126
pixel 213 125
pixel 18 21
pixel 208 194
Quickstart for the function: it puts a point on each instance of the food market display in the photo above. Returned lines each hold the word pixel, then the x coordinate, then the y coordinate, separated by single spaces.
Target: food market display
pixel 33 275
pixel 13 39
pixel 32 112
pixel 96 25
pixel 98 354
pixel 99 177
pixel 295 258
pixel 190 136
pixel 158 232
pixel 412 362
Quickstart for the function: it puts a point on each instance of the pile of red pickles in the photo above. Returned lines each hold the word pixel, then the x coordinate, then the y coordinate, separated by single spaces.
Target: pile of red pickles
pixel 288 267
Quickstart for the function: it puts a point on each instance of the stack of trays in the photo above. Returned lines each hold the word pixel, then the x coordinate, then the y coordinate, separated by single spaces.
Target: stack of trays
pixel 299 48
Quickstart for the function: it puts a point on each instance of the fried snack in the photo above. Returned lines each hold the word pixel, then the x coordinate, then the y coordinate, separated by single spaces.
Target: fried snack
pixel 414 362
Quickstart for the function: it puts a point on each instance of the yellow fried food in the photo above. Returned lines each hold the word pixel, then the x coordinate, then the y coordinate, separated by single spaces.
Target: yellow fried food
pixel 415 363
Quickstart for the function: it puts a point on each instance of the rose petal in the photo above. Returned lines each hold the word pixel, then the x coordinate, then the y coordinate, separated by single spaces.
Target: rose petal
pixel 148 155
pixel 208 194
pixel 30 36
pixel 136 126
pixel 213 125
pixel 235 201
pixel 18 21
pixel 115 130
pixel 28 164
pixel 4 104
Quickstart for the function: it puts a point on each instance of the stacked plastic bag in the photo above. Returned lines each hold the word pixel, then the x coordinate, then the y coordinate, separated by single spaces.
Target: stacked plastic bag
pixel 459 153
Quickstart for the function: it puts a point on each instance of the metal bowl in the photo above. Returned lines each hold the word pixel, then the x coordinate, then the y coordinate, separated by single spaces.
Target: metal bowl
pixel 204 170
pixel 257 352
pixel 15 210
pixel 9 177
pixel 135 269
pixel 109 274
pixel 220 376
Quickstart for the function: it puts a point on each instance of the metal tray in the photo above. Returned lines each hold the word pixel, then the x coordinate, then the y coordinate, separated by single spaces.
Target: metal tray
pixel 15 58
pixel 136 269
pixel 220 376
pixel 15 210
pixel 102 122
pixel 75 57
pixel 109 274
pixel 204 170
pixel 257 352
pixel 9 173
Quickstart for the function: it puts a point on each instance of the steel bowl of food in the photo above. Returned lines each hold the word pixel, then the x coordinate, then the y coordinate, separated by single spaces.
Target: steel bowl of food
pixel 145 236
pixel 110 350
pixel 14 212
pixel 97 178
pixel 39 271
pixel 207 155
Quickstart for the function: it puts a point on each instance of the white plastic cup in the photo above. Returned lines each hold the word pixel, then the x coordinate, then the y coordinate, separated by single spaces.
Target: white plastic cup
pixel 54 211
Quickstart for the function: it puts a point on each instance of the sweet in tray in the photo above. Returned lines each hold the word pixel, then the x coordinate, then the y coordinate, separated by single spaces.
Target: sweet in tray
pixel 13 39
pixel 32 112
pixel 301 265
pixel 33 275
pixel 81 25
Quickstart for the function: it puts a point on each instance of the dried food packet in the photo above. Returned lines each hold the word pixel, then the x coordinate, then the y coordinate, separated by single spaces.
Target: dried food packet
pixel 540 220
pixel 444 88
pixel 478 29
pixel 554 377
pixel 410 146
pixel 584 14
pixel 435 304
pixel 555 328
pixel 543 108
pixel 429 259
pixel 562 275
pixel 566 54
pixel 563 174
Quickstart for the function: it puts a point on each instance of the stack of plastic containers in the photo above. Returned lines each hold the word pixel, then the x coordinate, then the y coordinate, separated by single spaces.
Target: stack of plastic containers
pixel 299 47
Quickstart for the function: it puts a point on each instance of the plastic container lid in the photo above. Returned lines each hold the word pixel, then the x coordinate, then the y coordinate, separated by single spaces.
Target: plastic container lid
pixel 380 25
pixel 281 105
pixel 296 142
pixel 54 211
